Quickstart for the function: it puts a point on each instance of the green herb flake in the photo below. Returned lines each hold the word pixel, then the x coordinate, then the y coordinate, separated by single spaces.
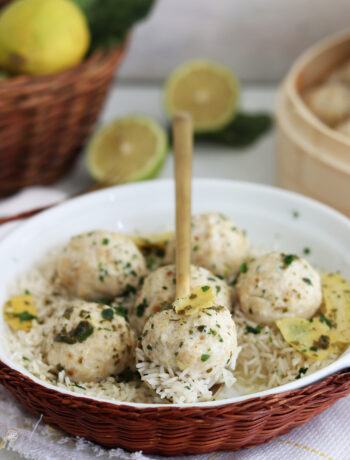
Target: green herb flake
pixel 105 241
pixel 307 281
pixel 24 316
pixel 25 358
pixel 83 331
pixel 140 309
pixel 306 251
pixel 324 319
pixel 78 386
pixel 121 311
pixel 243 268
pixel 205 288
pixel 288 259
pixel 149 347
pixel 254 330
pixel 205 357
pixel 107 314
pixel 301 371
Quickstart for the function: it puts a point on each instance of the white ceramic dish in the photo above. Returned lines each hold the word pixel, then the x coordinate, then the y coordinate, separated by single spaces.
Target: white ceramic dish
pixel 272 217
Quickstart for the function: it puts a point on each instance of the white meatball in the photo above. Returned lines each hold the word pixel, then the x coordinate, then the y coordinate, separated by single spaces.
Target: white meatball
pixel 279 285
pixel 217 244
pixel 159 288
pixel 99 265
pixel 329 102
pixel 202 344
pixel 91 342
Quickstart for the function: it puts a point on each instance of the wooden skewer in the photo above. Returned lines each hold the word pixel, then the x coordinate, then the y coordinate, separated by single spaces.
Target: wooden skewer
pixel 183 146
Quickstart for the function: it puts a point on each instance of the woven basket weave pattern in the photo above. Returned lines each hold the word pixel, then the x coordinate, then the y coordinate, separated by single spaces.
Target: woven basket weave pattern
pixel 178 431
pixel 45 120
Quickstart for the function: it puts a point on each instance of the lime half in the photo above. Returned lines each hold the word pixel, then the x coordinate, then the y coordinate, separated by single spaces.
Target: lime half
pixel 207 91
pixel 127 150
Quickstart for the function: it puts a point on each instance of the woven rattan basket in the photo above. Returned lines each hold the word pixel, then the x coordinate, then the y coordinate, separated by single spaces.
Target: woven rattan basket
pixel 45 120
pixel 173 430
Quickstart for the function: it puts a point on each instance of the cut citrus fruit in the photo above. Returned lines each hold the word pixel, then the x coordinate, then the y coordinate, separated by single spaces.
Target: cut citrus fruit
pixel 127 150
pixel 207 91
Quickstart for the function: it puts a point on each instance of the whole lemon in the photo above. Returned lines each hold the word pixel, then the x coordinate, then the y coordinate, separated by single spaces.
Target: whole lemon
pixel 42 36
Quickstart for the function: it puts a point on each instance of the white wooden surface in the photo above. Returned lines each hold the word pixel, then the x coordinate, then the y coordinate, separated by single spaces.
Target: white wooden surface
pixel 254 164
pixel 258 38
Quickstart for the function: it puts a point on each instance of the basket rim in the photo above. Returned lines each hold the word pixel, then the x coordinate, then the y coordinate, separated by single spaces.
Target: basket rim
pixel 140 408
pixel 94 60
pixel 341 362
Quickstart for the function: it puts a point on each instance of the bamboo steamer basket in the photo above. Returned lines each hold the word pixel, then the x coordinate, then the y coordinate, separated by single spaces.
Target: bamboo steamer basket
pixel 312 158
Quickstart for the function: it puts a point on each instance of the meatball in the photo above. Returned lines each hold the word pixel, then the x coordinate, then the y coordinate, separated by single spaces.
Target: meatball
pixel 159 288
pixel 203 344
pixel 329 102
pixel 99 265
pixel 91 342
pixel 217 244
pixel 279 285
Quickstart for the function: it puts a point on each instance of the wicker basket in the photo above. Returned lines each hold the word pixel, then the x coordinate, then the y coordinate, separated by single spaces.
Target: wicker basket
pixel 45 120
pixel 178 431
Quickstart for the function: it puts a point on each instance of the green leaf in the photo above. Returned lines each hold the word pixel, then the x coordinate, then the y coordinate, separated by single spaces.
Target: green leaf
pixel 242 131
pixel 111 20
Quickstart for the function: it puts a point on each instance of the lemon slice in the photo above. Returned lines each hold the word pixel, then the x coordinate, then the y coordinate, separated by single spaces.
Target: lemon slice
pixel 126 150
pixel 207 91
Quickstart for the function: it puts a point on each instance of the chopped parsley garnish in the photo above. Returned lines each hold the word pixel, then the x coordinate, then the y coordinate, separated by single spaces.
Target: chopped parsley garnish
pixel 205 288
pixel 218 289
pixel 83 331
pixel 301 371
pixel 25 358
pixel 243 268
pixel 149 347
pixel 205 357
pixel 105 241
pixel 254 330
pixel 195 248
pixel 313 348
pixel 24 316
pixel 140 309
pixel 288 259
pixel 78 386
pixel 322 342
pixel 306 251
pixel 121 311
pixel 79 334
pixel 324 319
pixel 26 292
pixel 307 281
pixel 295 214
pixel 107 314
pixel 187 387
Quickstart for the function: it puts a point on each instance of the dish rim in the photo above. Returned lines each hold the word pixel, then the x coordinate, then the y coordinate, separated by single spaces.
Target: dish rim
pixel 339 364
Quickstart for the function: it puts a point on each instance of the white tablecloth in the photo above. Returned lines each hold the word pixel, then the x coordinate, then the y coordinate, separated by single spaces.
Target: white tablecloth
pixel 327 436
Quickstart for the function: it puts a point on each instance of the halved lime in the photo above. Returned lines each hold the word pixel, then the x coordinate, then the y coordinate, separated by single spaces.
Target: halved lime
pixel 206 90
pixel 127 150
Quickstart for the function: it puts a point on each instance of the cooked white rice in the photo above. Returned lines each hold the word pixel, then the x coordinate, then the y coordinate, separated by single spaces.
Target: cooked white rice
pixel 265 359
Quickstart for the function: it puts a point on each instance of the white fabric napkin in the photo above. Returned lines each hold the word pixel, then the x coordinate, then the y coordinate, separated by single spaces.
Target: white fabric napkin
pixel 327 436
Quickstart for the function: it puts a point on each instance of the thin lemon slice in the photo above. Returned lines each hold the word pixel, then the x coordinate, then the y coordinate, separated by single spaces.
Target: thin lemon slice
pixel 127 150
pixel 207 91
pixel 200 298
pixel 19 312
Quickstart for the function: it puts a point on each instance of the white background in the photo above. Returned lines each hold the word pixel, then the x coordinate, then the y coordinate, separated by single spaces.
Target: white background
pixel 258 38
